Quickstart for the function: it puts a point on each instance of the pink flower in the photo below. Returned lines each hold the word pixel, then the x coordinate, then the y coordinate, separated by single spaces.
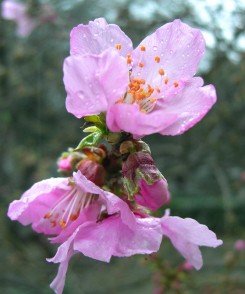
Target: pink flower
pixel 240 245
pixel 65 163
pixel 16 11
pixel 147 90
pixel 84 218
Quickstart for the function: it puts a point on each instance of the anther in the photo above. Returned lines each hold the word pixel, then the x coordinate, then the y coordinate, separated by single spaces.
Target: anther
pixel 118 46
pixel 166 81
pixel 157 59
pixel 176 84
pixel 161 71
pixel 142 48
pixel 141 64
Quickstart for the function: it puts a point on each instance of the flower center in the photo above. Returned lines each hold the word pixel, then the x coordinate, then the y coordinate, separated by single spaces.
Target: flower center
pixel 68 207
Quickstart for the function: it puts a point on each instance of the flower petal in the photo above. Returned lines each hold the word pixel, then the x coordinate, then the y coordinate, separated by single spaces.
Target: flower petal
pixel 129 118
pixel 186 235
pixel 113 203
pixel 189 106
pixel 59 281
pixel 37 201
pixel 93 82
pixel 175 49
pixel 94 241
pixel 98 36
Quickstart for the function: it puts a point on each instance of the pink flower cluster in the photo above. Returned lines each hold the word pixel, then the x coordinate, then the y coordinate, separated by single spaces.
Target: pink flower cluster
pixel 147 90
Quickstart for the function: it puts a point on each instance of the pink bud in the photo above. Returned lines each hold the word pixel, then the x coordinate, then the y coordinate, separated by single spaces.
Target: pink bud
pixel 186 266
pixel 64 164
pixel 93 171
pixel 239 245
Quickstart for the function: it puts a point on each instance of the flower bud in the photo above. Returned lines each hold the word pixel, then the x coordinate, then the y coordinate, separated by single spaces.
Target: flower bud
pixel 239 245
pixel 93 171
pixel 65 164
pixel 143 181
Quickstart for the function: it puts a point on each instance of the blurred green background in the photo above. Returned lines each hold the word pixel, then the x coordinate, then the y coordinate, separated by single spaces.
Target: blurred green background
pixel 205 167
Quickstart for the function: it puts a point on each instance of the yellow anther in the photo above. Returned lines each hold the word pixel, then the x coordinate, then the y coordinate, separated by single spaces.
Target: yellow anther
pixel 142 48
pixel 161 71
pixel 118 46
pixel 157 59
pixel 166 81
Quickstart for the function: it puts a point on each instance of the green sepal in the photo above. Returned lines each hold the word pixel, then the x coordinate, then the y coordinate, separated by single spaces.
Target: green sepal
pixel 92 139
pixel 130 188
pixel 91 129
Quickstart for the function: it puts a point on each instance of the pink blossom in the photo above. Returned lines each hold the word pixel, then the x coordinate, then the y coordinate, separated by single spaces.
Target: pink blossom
pixel 16 11
pixel 65 163
pixel 240 245
pixel 147 90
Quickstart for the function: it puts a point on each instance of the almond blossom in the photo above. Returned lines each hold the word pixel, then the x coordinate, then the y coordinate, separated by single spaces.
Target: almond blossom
pixel 150 89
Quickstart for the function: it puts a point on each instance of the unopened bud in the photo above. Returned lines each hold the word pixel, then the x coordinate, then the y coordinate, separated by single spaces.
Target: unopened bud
pixel 93 171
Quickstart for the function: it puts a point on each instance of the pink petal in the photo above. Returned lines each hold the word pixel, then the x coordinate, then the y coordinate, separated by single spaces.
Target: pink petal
pixel 189 106
pixel 59 281
pixel 186 235
pixel 129 118
pixel 94 241
pixel 98 36
pixel 179 47
pixel 113 203
pixel 94 82
pixel 153 196
pixel 37 201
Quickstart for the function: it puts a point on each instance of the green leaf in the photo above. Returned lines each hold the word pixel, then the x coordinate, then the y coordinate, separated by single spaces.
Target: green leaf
pixel 91 140
pixel 93 119
pixel 91 129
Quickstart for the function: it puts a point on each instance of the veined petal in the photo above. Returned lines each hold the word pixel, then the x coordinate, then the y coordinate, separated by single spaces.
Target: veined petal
pixel 94 241
pixel 129 118
pixel 186 235
pixel 94 82
pixel 189 106
pixel 37 201
pixel 98 36
pixel 173 51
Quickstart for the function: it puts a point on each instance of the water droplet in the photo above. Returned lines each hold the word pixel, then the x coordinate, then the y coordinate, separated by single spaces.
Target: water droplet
pixel 84 36
pixel 96 35
pixel 155 48
pixel 112 40
pixel 171 51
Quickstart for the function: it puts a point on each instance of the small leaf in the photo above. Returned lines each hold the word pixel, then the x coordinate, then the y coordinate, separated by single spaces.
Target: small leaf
pixel 91 129
pixel 91 140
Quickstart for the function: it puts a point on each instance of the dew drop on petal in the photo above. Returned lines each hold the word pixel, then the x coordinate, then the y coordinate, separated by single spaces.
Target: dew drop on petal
pixel 155 48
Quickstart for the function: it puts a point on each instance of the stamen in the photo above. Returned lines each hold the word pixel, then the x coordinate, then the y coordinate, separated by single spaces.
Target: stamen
pixel 68 207
pixel 176 84
pixel 166 81
pixel 118 46
pixel 142 48
pixel 161 72
pixel 129 59
pixel 157 59
pixel 141 64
